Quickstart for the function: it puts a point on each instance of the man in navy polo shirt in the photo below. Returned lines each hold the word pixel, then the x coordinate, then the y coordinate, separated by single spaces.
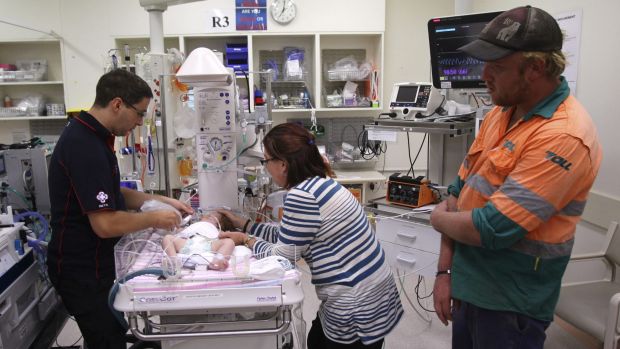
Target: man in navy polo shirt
pixel 90 208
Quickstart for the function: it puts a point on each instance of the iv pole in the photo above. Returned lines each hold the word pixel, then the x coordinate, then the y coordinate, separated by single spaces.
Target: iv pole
pixel 156 8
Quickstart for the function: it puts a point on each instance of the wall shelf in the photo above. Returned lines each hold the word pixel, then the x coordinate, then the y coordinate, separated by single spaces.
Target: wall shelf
pixel 52 90
pixel 30 83
pixel 26 118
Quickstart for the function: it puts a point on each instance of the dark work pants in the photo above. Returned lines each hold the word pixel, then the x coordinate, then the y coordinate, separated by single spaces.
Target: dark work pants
pixel 87 301
pixel 475 327
pixel 318 340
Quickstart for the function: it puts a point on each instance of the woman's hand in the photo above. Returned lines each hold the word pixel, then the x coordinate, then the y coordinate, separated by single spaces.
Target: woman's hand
pixel 238 237
pixel 236 221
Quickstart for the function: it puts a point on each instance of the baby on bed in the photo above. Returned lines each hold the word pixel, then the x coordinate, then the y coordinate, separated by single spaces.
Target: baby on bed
pixel 200 242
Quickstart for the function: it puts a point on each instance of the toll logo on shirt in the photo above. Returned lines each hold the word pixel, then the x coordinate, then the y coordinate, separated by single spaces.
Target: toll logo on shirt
pixel 102 198
pixel 558 160
pixel 509 145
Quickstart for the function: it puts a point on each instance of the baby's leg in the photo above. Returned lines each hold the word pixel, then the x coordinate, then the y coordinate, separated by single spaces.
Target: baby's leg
pixel 224 247
pixel 172 244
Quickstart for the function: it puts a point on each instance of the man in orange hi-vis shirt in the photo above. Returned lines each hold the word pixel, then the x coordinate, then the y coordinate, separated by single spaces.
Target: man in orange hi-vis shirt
pixel 508 224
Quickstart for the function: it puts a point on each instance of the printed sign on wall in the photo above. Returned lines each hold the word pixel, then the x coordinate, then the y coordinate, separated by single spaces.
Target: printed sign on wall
pixel 221 20
pixel 251 14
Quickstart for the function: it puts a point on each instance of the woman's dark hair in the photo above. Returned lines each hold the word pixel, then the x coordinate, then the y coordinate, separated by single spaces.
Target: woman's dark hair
pixel 121 83
pixel 296 146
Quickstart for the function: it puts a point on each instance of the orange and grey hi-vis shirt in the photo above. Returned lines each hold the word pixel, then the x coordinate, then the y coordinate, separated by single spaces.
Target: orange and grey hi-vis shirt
pixel 527 188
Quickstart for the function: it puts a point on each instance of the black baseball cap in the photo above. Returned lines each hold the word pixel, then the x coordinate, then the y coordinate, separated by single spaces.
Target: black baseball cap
pixel 524 28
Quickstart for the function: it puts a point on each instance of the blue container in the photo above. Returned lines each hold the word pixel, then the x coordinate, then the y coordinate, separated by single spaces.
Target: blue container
pixel 237 56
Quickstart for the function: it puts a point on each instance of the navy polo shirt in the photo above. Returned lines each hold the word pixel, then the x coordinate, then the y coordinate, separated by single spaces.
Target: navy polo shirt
pixel 83 178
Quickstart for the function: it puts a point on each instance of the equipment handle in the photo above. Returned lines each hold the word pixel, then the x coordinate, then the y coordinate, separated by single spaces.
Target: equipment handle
pixel 406 260
pixel 406 235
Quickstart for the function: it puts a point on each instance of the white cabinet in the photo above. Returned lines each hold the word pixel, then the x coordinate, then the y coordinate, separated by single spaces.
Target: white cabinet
pixel 21 84
pixel 292 61
pixel 303 64
pixel 351 60
pixel 410 247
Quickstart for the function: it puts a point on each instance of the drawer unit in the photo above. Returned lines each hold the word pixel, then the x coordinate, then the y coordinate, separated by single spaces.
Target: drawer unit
pixel 410 234
pixel 410 247
pixel 409 260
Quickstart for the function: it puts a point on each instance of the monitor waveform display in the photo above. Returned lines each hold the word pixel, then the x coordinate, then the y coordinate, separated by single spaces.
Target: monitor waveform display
pixel 452 68
pixel 455 71
pixel 461 61
pixel 459 67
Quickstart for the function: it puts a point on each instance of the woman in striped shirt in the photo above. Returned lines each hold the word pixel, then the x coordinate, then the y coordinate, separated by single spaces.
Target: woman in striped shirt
pixel 324 224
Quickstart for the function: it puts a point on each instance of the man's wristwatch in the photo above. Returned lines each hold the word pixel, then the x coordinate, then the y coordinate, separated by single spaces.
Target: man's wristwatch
pixel 443 272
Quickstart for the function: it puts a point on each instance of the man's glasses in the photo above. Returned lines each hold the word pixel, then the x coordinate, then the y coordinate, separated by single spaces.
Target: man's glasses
pixel 140 113
pixel 265 161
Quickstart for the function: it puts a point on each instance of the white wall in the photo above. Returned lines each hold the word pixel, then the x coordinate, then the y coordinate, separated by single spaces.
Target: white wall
pixel 407 58
pixel 89 27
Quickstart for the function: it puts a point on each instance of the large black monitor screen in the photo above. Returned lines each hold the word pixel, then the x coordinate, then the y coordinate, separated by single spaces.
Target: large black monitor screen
pixel 450 67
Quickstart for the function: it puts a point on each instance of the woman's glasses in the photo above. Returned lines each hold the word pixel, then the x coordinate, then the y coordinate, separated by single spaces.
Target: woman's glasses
pixel 265 161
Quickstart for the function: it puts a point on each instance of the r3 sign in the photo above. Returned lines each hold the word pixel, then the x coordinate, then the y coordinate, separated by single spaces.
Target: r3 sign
pixel 220 22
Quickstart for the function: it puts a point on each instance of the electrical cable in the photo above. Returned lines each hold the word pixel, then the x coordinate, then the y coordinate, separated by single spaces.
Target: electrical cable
pixel 475 99
pixel 417 293
pixel 425 317
pixel 40 217
pixel 158 162
pixel 439 110
pixel 416 156
pixel 150 157
pixel 409 155
pixel 369 149
pixel 247 84
pixel 70 345
pixel 5 186
pixel 344 129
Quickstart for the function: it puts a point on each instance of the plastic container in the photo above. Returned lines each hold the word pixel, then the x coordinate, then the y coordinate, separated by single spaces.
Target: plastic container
pixel 4 66
pixel 342 75
pixel 7 76
pixel 55 109
pixel 237 56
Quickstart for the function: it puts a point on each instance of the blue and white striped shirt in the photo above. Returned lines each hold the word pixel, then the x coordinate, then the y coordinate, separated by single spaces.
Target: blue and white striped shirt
pixel 324 224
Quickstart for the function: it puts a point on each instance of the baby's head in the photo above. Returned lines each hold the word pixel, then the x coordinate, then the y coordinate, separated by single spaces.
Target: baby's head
pixel 218 220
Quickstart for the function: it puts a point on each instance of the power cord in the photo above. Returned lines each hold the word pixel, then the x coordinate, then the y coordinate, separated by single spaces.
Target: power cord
pixel 416 156
pixel 369 149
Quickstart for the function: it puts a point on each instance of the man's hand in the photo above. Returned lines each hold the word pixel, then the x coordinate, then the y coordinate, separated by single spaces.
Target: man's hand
pixel 442 298
pixel 435 215
pixel 179 205
pixel 165 219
